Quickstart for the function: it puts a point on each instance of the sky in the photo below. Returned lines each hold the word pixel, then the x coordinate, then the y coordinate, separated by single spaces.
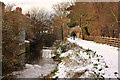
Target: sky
pixel 41 4
pixel 31 4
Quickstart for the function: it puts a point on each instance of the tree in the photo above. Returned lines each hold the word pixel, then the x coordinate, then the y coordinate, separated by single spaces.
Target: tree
pixel 42 21
pixel 101 17
pixel 106 14
pixel 9 7
pixel 60 19
pixel 79 12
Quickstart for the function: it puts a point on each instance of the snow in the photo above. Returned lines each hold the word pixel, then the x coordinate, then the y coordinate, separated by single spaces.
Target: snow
pixel 109 53
pixel 47 53
pixel 27 41
pixel 31 66
pixel 36 70
pixel 78 61
pixel 66 53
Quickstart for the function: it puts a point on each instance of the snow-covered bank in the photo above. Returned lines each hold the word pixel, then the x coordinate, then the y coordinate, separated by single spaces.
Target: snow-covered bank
pixel 109 53
pixel 79 63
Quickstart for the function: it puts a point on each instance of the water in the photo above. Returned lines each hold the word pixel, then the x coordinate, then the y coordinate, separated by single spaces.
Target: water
pixel 40 68
pixel 48 52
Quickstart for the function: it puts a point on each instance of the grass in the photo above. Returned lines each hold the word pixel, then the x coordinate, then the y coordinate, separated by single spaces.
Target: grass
pixel 87 50
pixel 56 69
pixel 95 64
pixel 99 42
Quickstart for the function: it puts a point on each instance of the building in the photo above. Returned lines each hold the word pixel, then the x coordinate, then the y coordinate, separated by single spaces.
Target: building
pixel 14 28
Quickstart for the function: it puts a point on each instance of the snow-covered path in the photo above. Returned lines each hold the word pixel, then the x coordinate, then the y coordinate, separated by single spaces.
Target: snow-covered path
pixel 109 53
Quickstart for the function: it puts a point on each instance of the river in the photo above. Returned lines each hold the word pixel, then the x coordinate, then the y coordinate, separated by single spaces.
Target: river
pixel 39 68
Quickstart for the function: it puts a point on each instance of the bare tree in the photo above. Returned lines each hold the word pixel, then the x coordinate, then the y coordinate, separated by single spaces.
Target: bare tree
pixel 9 7
pixel 60 19
pixel 41 19
pixel 103 16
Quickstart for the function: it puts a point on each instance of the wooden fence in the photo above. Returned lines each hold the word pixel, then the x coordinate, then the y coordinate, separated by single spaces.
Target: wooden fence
pixel 105 40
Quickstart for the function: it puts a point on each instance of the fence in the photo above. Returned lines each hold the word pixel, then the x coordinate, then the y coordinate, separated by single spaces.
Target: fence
pixel 105 40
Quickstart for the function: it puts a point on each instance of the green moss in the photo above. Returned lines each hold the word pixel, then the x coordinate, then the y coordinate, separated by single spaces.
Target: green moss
pixel 56 69
pixel 95 67
pixel 95 64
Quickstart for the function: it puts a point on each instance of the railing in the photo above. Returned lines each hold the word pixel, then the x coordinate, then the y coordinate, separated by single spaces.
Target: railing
pixel 105 40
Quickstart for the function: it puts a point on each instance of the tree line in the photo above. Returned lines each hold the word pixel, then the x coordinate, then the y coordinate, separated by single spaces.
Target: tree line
pixel 101 17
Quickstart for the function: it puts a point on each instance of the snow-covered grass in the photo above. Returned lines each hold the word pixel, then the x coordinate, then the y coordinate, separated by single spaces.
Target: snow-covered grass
pixel 109 53
pixel 80 63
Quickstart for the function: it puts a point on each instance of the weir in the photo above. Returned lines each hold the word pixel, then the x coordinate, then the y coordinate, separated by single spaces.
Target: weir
pixel 48 52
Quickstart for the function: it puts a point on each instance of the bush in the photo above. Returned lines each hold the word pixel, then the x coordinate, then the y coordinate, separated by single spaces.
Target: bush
pixel 9 65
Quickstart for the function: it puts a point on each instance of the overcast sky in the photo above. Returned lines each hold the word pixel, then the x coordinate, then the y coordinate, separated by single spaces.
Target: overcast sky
pixel 28 4
pixel 45 4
